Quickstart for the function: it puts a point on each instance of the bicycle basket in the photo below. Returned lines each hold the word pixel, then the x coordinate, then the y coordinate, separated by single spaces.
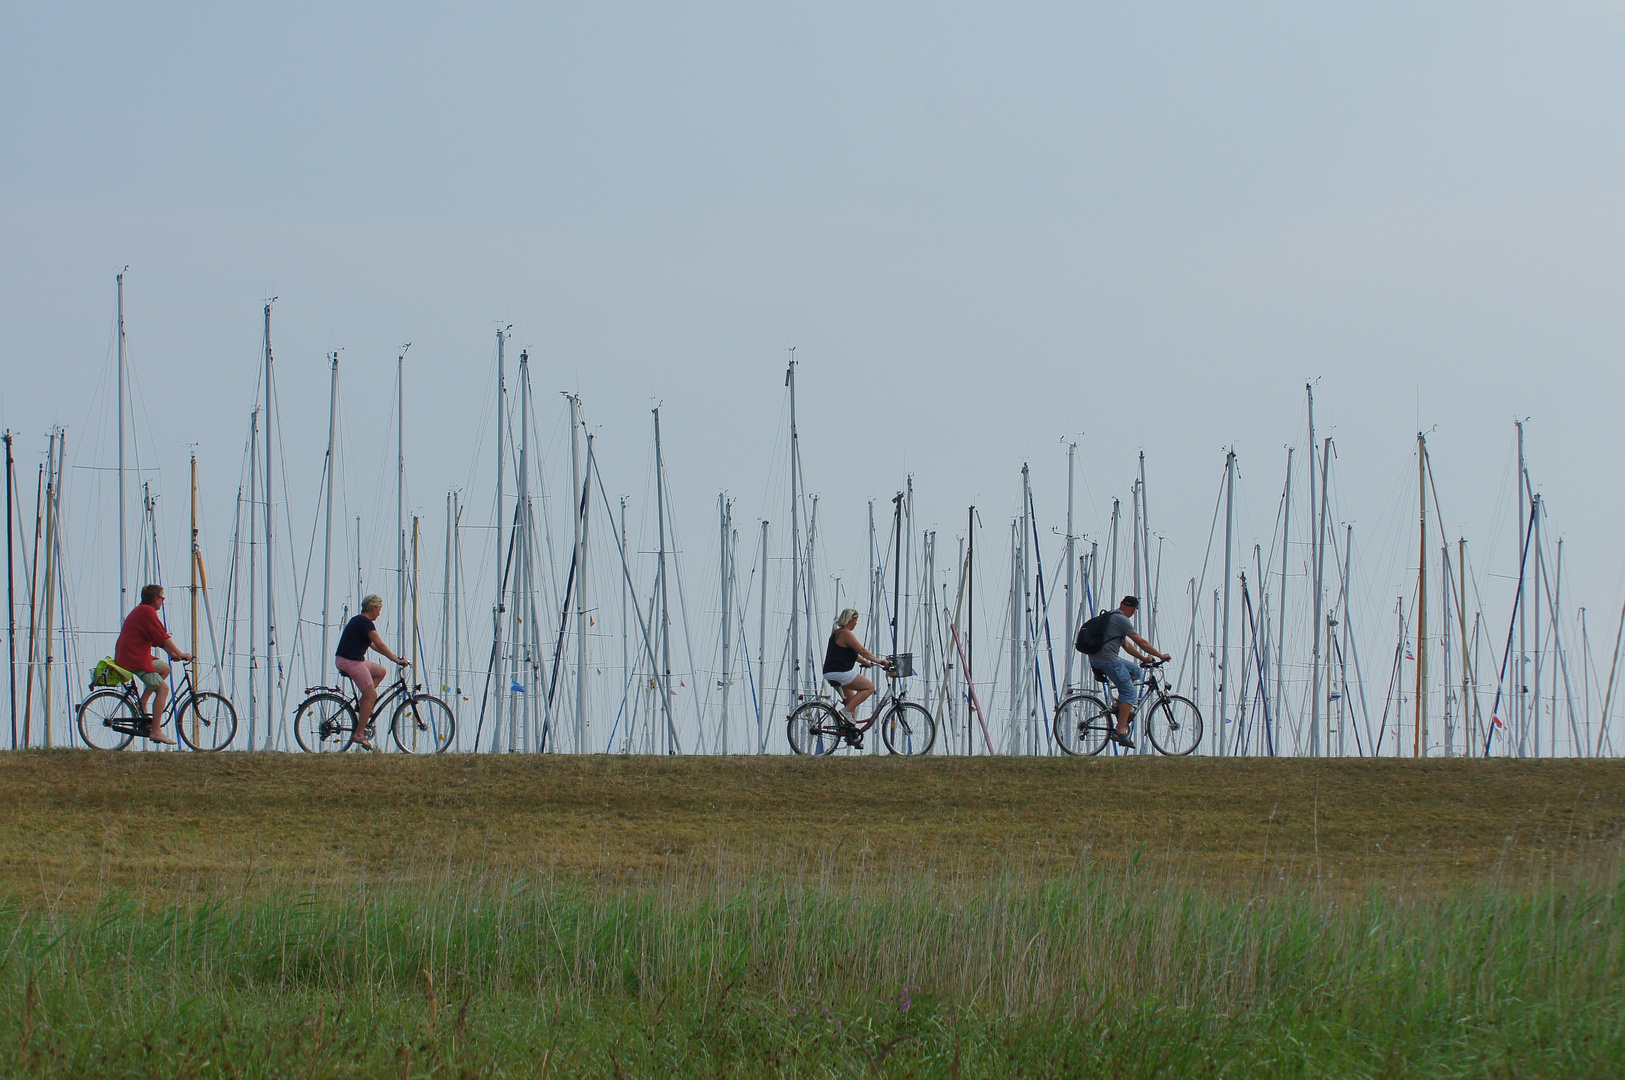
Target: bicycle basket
pixel 107 673
pixel 904 663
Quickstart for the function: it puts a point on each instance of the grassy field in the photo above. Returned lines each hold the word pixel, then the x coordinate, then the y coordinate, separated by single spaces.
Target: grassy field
pixel 256 915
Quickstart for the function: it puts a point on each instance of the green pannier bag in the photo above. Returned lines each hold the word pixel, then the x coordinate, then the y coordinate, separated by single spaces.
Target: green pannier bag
pixel 107 673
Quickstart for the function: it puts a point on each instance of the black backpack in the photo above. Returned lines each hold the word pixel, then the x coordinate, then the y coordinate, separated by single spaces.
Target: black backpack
pixel 1092 634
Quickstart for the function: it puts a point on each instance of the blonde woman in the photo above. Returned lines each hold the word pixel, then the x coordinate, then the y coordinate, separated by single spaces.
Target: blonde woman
pixel 360 634
pixel 841 662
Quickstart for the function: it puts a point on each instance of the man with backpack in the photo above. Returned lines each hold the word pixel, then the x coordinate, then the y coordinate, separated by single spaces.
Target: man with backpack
pixel 1099 640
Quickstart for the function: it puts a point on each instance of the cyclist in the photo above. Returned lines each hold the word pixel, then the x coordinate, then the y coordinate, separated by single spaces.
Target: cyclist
pixel 1123 674
pixel 360 634
pixel 142 631
pixel 841 661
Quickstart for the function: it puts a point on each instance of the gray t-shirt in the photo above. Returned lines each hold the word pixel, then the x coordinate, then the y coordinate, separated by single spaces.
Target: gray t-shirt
pixel 1117 627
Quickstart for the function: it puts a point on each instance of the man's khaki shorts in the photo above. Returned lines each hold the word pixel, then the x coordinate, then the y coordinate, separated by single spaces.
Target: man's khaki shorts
pixel 150 679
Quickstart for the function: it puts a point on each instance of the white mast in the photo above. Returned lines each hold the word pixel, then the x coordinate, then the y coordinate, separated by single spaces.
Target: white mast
pixel 761 657
pixel 725 515
pixel 1280 599
pixel 1318 626
pixel 579 557
pixel 270 562
pixel 400 489
pixel 1071 559
pixel 795 536
pixel 496 614
pixel 327 534
pixel 660 577
pixel 123 565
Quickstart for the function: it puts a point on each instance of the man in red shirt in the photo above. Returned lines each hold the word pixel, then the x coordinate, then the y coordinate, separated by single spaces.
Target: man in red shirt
pixel 143 631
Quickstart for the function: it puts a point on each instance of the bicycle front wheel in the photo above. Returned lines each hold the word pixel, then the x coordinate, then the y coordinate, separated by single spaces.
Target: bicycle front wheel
pixel 813 729
pixel 209 722
pixel 324 724
pixel 101 718
pixel 1174 726
pixel 1081 723
pixel 908 729
pixel 422 725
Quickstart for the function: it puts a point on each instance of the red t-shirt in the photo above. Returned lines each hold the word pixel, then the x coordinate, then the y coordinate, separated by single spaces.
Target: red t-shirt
pixel 143 630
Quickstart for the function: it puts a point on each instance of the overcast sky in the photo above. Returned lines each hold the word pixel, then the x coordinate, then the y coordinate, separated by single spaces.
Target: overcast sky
pixel 985 229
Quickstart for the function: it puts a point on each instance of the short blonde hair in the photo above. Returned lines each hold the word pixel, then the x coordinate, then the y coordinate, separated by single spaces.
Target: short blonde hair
pixel 847 615
pixel 371 602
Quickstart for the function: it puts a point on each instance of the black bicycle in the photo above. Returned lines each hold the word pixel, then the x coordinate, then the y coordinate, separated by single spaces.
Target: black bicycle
pixel 112 716
pixel 1173 723
pixel 817 726
pixel 327 718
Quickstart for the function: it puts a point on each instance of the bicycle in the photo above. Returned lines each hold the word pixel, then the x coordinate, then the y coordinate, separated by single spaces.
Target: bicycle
pixel 817 727
pixel 112 716
pixel 1174 724
pixel 326 720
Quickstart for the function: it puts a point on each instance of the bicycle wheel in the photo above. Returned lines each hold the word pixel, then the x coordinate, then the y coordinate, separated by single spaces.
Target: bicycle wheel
pixel 422 725
pixel 98 715
pixel 209 722
pixel 1175 725
pixel 1081 723
pixel 813 729
pixel 324 724
pixel 908 729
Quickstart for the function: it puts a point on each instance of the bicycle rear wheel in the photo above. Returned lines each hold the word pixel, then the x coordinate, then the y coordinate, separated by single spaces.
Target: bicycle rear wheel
pixel 1174 726
pixel 324 724
pixel 422 725
pixel 209 722
pixel 908 729
pixel 813 729
pixel 98 715
pixel 1081 723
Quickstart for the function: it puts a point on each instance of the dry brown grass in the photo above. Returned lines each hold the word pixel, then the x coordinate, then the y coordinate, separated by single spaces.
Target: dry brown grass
pixel 174 827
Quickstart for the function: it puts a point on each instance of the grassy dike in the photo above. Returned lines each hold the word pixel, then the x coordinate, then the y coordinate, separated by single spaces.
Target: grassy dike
pixel 268 916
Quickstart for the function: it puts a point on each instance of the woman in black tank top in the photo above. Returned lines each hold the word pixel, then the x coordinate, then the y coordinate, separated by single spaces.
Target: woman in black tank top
pixel 841 662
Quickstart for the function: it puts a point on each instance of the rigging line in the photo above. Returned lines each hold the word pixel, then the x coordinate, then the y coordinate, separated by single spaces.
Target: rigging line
pixel 1500 686
pixel 643 626
pixel 491 665
pixel 1393 681
pixel 682 609
pixel 1043 612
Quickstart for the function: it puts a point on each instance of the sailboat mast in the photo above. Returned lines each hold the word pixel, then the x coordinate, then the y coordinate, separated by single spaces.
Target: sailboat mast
pixel 761 654
pixel 1224 640
pixel 725 515
pixel 795 534
pixel 270 562
pixel 11 598
pixel 581 609
pixel 1420 739
pixel 400 490
pixel 578 556
pixel 496 615
pixel 123 564
pixel 660 575
pixel 253 552
pixel 1319 628
pixel 195 555
pixel 1280 598
pixel 327 527
pixel 1071 559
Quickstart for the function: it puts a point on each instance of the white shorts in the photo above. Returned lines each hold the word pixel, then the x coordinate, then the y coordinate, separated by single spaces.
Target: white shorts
pixel 841 678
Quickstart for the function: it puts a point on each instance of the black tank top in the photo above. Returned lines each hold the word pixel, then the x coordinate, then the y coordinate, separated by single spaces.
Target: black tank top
pixel 839 657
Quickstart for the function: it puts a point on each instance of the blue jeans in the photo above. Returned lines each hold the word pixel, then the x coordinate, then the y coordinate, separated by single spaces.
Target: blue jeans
pixel 1123 674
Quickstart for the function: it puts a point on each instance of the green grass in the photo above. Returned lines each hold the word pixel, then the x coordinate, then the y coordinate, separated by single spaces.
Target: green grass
pixel 170 915
pixel 720 971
